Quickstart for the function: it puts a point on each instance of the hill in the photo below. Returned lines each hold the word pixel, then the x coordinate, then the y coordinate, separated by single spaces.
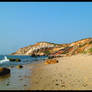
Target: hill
pixel 52 49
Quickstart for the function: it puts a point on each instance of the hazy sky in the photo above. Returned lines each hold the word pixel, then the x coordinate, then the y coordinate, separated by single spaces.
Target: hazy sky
pixel 25 23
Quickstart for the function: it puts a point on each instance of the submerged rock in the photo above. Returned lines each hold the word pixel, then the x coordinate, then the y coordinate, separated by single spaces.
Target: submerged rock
pixel 33 55
pixel 51 57
pixel 4 71
pixel 14 60
pixel 51 61
pixel 19 66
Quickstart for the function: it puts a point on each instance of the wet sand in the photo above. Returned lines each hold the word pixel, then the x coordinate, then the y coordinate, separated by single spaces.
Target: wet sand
pixel 71 73
pixel 18 79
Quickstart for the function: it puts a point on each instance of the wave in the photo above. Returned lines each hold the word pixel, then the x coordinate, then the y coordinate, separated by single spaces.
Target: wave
pixel 4 60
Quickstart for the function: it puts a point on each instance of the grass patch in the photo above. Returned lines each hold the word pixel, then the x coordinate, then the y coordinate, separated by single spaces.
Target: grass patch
pixel 90 42
pixel 47 52
pixel 84 52
pixel 65 52
pixel 90 50
pixel 82 45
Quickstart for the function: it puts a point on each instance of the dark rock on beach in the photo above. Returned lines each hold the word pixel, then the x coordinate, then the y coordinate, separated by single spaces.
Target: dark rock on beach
pixel 19 66
pixel 4 71
pixel 51 61
pixel 33 55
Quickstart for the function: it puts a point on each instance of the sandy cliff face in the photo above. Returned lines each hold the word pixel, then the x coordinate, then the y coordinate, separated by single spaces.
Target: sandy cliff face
pixel 52 49
pixel 41 48
pixel 81 46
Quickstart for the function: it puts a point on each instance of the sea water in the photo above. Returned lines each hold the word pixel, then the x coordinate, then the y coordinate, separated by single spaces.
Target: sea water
pixel 19 79
pixel 24 60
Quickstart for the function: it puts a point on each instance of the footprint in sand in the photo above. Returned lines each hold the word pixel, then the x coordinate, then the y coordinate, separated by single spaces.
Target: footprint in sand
pixel 84 85
pixel 61 81
pixel 25 85
pixel 60 75
pixel 7 84
pixel 20 79
pixel 57 84
pixel 65 76
pixel 78 81
pixel 36 82
pixel 63 85
pixel 70 74
pixel 19 76
pixel 68 69
pixel 56 80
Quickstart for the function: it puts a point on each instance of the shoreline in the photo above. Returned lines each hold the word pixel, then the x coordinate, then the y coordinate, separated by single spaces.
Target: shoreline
pixel 19 79
pixel 71 73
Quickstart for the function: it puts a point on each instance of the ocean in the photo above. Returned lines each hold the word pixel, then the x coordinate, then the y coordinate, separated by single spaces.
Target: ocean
pixel 24 60
pixel 19 79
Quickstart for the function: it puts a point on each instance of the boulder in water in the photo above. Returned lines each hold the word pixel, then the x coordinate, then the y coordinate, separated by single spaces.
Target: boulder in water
pixel 51 57
pixel 14 60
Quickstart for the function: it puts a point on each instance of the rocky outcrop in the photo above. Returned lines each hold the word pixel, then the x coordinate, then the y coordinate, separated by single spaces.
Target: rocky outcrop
pixel 51 61
pixel 4 71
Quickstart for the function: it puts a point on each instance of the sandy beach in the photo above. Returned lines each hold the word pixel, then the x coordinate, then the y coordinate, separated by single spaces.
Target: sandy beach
pixel 71 73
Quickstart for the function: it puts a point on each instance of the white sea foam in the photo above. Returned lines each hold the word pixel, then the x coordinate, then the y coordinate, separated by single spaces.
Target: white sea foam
pixel 4 60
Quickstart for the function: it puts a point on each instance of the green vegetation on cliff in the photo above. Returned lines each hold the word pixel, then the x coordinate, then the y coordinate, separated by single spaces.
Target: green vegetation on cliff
pixel 47 52
pixel 90 50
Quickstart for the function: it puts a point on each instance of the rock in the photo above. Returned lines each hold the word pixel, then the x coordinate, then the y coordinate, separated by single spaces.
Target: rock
pixel 50 57
pixel 11 66
pixel 33 55
pixel 4 71
pixel 14 60
pixel 19 66
pixel 17 60
pixel 51 61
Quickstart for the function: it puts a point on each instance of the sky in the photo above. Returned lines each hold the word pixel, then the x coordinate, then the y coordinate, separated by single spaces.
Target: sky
pixel 26 23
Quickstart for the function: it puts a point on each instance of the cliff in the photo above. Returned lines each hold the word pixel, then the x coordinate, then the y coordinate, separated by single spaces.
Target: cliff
pixel 82 46
pixel 52 49
pixel 40 49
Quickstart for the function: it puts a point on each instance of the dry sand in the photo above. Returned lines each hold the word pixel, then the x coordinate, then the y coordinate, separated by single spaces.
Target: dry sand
pixel 71 73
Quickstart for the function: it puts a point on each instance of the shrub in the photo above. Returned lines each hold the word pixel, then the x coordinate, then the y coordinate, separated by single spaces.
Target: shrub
pixel 47 52
pixel 84 52
pixel 81 45
pixel 90 50
pixel 65 52
pixel 90 42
